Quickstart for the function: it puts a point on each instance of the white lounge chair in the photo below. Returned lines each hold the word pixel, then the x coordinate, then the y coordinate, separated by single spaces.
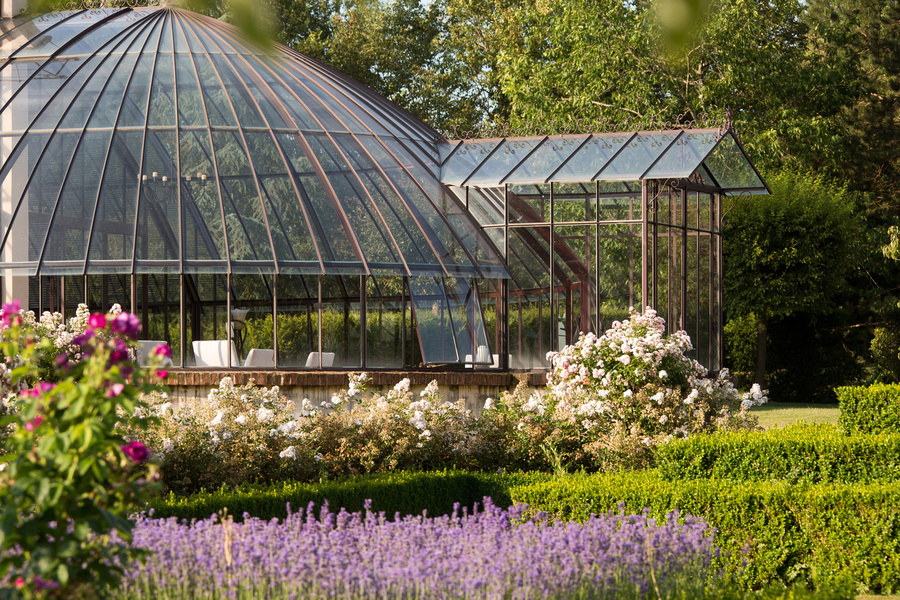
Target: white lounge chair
pixel 214 353
pixel 261 358
pixel 312 361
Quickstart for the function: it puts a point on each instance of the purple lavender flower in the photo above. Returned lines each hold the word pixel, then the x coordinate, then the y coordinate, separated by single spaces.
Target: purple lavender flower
pixel 492 554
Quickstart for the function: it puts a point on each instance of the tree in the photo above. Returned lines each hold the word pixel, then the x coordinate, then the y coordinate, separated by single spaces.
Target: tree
pixel 789 252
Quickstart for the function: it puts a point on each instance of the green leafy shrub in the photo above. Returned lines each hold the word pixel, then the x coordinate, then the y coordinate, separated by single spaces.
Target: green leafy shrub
pixel 870 409
pixel 801 453
pixel 70 477
pixel 406 493
pixel 769 532
pixel 885 349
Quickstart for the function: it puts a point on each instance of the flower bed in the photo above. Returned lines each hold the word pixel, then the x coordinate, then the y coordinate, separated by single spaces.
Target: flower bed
pixel 484 554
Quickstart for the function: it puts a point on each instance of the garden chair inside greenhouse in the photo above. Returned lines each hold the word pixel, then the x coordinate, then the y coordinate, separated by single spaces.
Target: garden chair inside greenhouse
pixel 213 353
pixel 262 358
pixel 312 361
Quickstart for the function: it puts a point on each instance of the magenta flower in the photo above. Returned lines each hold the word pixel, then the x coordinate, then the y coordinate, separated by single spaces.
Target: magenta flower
pixel 162 374
pixel 62 361
pixel 127 324
pixel 136 451
pixel 164 350
pixel 9 310
pixel 114 390
pixel 34 423
pixel 97 321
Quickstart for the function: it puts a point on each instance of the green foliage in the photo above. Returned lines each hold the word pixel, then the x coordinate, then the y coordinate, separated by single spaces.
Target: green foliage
pixel 70 477
pixel 871 409
pixel 406 493
pixel 885 349
pixel 769 532
pixel 798 454
pixel 791 251
pixel 740 347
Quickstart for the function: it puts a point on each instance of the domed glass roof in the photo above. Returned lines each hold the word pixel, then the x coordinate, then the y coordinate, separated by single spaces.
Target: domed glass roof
pixel 156 140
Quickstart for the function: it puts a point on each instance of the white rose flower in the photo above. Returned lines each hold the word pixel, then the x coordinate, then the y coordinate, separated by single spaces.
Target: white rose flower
pixel 289 452
pixel 241 419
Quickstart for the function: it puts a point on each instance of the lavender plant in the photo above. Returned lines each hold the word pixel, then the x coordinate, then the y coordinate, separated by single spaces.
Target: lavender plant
pixel 482 554
pixel 69 478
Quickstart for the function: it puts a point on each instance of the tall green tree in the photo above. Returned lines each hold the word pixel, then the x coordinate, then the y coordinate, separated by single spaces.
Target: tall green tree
pixel 790 252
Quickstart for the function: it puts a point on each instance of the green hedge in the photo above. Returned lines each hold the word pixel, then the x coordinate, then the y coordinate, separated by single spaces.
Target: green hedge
pixel 872 409
pixel 801 453
pixel 405 493
pixel 769 532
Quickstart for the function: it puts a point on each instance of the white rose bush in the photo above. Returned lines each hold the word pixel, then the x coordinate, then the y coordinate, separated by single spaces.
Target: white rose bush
pixel 619 395
pixel 610 401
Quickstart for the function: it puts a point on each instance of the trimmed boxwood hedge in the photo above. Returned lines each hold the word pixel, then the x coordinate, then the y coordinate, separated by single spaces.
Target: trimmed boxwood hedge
pixel 871 409
pixel 798 454
pixel 406 493
pixel 768 531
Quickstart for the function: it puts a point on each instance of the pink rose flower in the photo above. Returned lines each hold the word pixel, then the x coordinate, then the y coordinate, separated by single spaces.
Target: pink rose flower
pixel 136 451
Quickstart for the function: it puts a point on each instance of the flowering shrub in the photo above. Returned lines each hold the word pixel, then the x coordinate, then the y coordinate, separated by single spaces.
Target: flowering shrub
pixel 69 477
pixel 237 434
pixel 489 554
pixel 248 433
pixel 633 387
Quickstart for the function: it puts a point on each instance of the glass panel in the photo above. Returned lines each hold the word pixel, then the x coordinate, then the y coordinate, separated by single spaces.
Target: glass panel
pixel 253 294
pixel 637 156
pixel 106 290
pixel 54 109
pixel 218 108
pixel 23 209
pixel 468 323
pixel 538 167
pixel 465 160
pixel 590 158
pixel 486 205
pixel 74 294
pixel 301 117
pixel 684 156
pixel 22 108
pixel 260 93
pixel 531 327
pixel 576 250
pixel 190 104
pixel 42 195
pixel 77 202
pixel 503 161
pixel 385 326
pixel 162 95
pixel 117 203
pixel 102 37
pixel 108 91
pixel 57 30
pixel 528 203
pixel 433 321
pixel 157 218
pixel 248 237
pixel 289 229
pixel 341 320
pixel 18 30
pixel 730 167
pixel 158 304
pixel 574 201
pixel 619 272
pixel 298 321
pixel 203 233
pixel 241 101
pixel 208 344
pixel 620 208
pixel 491 299
pixel 134 108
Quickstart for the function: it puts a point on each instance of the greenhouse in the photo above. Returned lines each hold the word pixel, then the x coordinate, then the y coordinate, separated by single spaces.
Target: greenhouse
pixel 257 209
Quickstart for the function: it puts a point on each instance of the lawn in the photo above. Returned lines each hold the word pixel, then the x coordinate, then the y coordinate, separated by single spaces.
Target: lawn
pixel 782 414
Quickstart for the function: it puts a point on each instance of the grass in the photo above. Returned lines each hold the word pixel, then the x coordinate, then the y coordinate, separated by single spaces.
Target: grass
pixel 782 414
